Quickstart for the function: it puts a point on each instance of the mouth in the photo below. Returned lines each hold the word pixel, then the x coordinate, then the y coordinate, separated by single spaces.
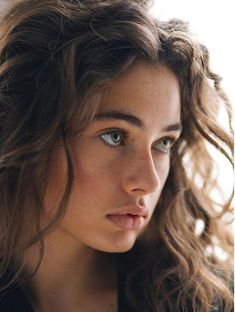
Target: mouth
pixel 130 217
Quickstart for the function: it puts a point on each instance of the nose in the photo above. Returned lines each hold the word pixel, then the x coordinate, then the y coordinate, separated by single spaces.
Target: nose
pixel 141 176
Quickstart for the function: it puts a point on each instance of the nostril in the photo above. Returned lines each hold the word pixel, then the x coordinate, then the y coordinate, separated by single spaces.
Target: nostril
pixel 141 203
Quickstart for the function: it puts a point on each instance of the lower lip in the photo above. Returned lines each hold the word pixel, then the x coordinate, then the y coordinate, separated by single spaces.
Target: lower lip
pixel 127 222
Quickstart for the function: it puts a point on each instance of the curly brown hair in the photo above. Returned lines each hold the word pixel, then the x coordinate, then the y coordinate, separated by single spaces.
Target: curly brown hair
pixel 55 58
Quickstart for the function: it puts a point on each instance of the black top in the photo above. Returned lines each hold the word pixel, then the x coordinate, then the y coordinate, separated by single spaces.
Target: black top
pixel 15 301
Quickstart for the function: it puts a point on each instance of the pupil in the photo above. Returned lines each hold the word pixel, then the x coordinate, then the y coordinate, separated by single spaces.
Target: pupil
pixel 116 137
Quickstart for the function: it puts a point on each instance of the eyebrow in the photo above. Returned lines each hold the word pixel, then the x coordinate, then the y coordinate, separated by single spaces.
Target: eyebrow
pixel 117 115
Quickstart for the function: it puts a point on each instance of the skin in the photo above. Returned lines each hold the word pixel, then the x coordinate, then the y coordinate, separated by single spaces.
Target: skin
pixel 106 180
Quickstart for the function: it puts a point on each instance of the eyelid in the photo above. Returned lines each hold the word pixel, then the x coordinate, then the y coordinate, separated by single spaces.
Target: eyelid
pixel 112 130
pixel 170 137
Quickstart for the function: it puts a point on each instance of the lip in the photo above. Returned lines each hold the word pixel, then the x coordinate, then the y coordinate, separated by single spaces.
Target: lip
pixel 129 217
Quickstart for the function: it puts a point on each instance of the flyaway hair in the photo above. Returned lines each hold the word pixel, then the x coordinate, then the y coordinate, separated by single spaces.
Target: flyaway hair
pixel 56 57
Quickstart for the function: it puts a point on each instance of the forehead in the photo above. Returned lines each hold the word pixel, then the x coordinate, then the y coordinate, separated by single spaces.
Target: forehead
pixel 148 91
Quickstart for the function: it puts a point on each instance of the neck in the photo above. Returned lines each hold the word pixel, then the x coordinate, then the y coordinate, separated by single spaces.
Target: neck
pixel 69 273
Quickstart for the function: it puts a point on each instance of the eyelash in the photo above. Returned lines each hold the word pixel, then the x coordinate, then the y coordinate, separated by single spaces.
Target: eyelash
pixel 124 134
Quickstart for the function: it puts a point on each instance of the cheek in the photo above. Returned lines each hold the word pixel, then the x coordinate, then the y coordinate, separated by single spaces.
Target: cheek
pixel 93 182
pixel 56 182
pixel 162 166
pixel 94 168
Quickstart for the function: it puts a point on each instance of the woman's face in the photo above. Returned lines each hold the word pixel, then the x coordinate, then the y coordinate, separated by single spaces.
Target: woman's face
pixel 121 160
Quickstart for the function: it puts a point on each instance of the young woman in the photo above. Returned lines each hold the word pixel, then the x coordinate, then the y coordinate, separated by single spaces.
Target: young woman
pixel 105 118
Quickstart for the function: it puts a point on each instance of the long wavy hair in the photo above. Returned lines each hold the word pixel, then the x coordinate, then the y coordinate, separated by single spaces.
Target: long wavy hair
pixel 56 56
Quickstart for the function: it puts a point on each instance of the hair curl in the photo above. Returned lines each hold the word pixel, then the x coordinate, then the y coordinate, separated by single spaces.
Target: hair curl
pixel 55 58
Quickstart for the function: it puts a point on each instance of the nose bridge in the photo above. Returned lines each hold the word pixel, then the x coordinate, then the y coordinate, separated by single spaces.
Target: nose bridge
pixel 142 174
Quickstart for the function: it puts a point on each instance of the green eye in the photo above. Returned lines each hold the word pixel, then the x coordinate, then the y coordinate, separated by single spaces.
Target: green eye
pixel 164 145
pixel 113 138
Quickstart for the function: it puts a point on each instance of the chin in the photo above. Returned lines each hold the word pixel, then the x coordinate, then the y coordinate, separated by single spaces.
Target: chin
pixel 118 243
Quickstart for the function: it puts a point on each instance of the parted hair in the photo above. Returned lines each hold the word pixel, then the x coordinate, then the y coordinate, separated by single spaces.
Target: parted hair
pixel 56 56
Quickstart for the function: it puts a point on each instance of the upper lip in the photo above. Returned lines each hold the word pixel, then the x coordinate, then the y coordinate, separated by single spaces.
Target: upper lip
pixel 132 209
